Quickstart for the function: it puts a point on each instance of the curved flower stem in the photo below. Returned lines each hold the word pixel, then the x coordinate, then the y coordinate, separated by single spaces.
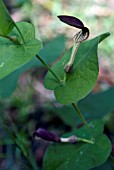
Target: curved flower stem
pixel 80 114
pixel 49 69
pixel 68 67
pixel 74 51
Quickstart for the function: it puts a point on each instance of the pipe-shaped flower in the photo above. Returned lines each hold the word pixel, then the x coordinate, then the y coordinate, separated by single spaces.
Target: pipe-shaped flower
pixel 44 134
pixel 78 38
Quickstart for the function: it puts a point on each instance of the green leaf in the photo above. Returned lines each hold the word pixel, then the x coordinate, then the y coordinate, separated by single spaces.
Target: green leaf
pixel 94 106
pixel 8 83
pixel 23 143
pixel 97 105
pixel 20 139
pixel 6 22
pixel 67 114
pixel 81 156
pixel 12 56
pixel 108 165
pixel 52 49
pixel 84 76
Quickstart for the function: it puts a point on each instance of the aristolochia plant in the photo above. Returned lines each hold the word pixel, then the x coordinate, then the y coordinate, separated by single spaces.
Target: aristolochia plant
pixel 71 78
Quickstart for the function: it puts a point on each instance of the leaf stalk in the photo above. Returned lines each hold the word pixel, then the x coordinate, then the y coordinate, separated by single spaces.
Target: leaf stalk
pixel 80 114
pixel 49 69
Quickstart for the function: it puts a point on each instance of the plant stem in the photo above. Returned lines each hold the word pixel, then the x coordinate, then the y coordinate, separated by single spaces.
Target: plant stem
pixel 74 139
pixel 49 69
pixel 85 140
pixel 20 33
pixel 80 114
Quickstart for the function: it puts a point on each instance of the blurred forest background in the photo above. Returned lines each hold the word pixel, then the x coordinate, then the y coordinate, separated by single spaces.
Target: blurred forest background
pixel 27 105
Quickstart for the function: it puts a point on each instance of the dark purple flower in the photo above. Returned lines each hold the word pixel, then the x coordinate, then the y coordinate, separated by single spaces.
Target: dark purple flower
pixel 44 134
pixel 70 20
pixel 75 22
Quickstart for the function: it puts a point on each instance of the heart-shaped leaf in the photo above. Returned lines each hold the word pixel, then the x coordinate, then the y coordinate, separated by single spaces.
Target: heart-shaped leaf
pixel 8 83
pixel 81 156
pixel 84 76
pixel 12 56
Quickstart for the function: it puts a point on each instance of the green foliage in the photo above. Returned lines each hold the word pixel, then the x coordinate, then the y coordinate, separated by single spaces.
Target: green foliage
pixel 98 105
pixel 52 49
pixel 83 78
pixel 94 106
pixel 15 55
pixel 9 83
pixel 6 22
pixel 68 115
pixel 22 143
pixel 21 2
pixel 81 156
pixel 106 166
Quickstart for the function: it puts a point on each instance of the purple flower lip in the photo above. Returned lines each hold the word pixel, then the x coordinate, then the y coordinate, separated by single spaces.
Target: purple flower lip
pixel 72 21
pixel 44 134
